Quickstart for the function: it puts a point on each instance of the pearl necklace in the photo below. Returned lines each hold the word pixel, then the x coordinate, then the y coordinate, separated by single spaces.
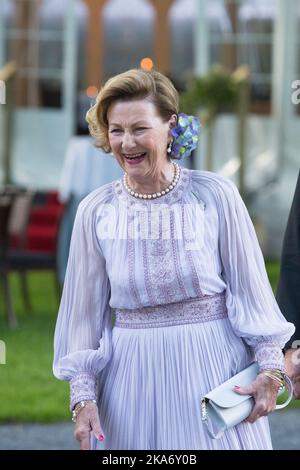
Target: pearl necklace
pixel 158 194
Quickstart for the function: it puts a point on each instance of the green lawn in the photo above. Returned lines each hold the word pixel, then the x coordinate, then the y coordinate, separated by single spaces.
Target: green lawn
pixel 28 390
pixel 273 273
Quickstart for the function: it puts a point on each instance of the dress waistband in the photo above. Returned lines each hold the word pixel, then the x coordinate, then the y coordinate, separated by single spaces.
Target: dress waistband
pixel 195 310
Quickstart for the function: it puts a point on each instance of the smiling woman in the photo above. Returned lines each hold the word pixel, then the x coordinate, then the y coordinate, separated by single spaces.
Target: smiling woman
pixel 135 123
pixel 191 310
pixel 140 141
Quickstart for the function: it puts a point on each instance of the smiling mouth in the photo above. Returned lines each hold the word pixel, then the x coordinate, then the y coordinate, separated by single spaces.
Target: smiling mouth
pixel 135 156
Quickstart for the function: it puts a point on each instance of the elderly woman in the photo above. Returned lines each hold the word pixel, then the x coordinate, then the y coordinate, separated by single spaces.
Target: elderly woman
pixel 174 253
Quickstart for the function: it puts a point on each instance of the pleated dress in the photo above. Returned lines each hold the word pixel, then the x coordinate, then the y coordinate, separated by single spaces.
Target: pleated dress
pixel 163 300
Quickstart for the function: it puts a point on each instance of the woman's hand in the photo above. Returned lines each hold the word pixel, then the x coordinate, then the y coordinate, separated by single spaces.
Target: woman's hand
pixel 292 366
pixel 87 421
pixel 264 391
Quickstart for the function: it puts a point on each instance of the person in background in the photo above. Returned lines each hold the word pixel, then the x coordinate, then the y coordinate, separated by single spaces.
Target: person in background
pixel 85 168
pixel 288 291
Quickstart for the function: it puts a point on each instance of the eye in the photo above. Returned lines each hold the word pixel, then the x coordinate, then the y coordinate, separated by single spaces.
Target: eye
pixel 115 131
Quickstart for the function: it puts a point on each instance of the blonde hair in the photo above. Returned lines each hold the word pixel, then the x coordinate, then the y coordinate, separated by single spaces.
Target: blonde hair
pixel 131 85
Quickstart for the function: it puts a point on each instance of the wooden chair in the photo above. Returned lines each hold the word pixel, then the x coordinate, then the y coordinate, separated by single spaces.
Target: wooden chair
pixel 17 227
pixel 19 221
pixel 30 252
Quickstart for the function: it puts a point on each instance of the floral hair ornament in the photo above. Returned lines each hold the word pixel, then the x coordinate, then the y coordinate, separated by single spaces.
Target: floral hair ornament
pixel 186 134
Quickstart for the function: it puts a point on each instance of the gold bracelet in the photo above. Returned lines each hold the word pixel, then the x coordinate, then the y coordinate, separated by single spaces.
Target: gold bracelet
pixel 79 407
pixel 276 372
pixel 279 380
pixel 278 376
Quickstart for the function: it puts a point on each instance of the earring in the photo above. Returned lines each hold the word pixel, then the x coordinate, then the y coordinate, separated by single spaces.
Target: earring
pixel 169 149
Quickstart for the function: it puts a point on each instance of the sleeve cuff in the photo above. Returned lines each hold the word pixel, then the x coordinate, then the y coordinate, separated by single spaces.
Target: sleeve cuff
pixel 82 387
pixel 269 356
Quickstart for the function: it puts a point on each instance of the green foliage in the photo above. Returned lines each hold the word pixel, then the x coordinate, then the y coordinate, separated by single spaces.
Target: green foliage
pixel 215 92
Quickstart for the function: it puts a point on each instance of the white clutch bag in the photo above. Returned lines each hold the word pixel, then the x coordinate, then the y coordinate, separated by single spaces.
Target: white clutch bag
pixel 223 408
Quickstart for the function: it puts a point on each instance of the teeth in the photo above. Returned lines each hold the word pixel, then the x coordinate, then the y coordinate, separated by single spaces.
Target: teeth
pixel 135 156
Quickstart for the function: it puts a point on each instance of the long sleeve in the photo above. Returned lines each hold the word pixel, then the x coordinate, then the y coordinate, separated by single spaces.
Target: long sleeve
pixel 82 340
pixel 288 292
pixel 252 308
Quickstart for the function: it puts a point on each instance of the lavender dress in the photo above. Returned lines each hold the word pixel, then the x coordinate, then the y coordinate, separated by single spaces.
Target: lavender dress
pixel 190 311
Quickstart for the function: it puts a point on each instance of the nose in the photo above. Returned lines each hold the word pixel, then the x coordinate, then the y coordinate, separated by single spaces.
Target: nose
pixel 128 141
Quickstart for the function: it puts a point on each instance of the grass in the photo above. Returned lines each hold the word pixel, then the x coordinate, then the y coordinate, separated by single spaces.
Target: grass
pixel 28 390
pixel 273 273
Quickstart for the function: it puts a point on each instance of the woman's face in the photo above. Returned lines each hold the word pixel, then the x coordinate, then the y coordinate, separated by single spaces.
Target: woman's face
pixel 138 135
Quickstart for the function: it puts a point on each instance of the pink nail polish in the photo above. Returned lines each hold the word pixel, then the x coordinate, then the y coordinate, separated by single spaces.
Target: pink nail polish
pixel 237 386
pixel 101 437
